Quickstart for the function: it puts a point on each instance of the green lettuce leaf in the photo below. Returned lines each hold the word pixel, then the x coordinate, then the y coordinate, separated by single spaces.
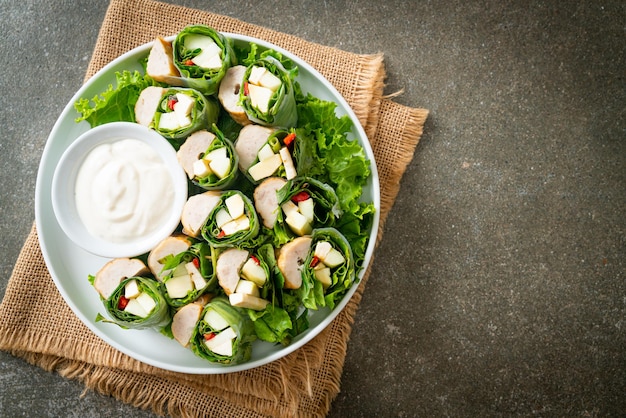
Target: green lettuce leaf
pixel 114 104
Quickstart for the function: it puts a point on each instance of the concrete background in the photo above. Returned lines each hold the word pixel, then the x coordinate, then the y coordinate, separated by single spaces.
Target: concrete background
pixel 499 287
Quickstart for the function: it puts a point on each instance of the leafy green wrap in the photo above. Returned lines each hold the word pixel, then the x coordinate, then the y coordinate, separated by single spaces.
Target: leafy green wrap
pixel 323 208
pixel 274 323
pixel 211 180
pixel 192 273
pixel 278 146
pixel 176 126
pixel 202 56
pixel 239 334
pixel 326 289
pixel 276 104
pixel 223 228
pixel 117 305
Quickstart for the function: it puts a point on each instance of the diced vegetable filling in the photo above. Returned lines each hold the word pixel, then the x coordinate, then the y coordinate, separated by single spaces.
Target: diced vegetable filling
pixel 269 161
pixel 300 213
pixel 178 112
pixel 325 259
pixel 185 278
pixel 135 301
pixel 233 218
pixel 208 52
pixel 260 87
pixel 215 162
pixel 246 294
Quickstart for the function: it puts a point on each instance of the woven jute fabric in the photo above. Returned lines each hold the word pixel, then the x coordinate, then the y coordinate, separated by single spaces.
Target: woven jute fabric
pixel 38 326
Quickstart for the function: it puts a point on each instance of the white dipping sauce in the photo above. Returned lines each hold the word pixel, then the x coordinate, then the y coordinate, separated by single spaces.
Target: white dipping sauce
pixel 123 191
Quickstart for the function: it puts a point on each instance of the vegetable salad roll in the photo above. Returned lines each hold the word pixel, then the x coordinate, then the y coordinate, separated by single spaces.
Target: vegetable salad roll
pixel 245 278
pixel 305 203
pixel 209 160
pixel 272 158
pixel 320 267
pixel 224 334
pixel 202 56
pixel 267 95
pixel 175 112
pixel 130 296
pixel 191 274
pixel 233 221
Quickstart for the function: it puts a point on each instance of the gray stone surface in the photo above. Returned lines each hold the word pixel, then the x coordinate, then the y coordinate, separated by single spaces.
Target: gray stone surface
pixel 499 286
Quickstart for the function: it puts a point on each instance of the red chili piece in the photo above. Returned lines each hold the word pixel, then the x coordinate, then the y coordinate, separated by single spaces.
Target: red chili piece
pixel 256 260
pixel 299 197
pixel 222 234
pixel 196 263
pixel 171 102
pixel 209 336
pixel 246 90
pixel 315 261
pixel 189 62
pixel 121 304
pixel 289 139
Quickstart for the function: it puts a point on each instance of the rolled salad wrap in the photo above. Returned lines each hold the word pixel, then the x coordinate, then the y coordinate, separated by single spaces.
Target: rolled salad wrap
pixel 130 295
pixel 305 204
pixel 233 221
pixel 224 333
pixel 267 95
pixel 209 159
pixel 202 56
pixel 270 157
pixel 318 268
pixel 191 273
pixel 175 112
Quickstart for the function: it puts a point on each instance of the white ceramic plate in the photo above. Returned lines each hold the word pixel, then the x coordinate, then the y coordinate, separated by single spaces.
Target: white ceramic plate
pixel 70 265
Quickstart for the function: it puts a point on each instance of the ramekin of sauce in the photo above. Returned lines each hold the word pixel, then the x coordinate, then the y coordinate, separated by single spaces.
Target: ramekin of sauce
pixel 118 190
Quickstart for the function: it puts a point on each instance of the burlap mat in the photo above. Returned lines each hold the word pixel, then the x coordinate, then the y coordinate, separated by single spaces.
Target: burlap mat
pixel 38 326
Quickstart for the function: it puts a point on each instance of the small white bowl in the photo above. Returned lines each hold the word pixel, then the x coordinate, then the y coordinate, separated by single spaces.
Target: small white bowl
pixel 64 180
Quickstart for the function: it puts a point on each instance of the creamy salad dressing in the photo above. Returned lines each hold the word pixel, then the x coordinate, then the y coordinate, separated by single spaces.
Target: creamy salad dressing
pixel 123 191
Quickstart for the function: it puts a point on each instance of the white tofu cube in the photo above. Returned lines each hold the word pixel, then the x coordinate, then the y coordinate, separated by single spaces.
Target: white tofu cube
pixel 290 168
pixel 215 320
pixel 334 258
pixel 146 302
pixel 131 289
pixel 307 209
pixel 270 81
pixel 216 154
pixel 203 60
pixel 248 287
pixel 179 286
pixel 235 205
pixel 260 97
pixel 265 152
pixel 222 218
pixel 196 277
pixel 322 248
pixel 323 276
pixel 298 223
pixel 243 300
pixel 265 168
pixel 168 121
pixel 184 104
pixel 289 207
pixel 220 166
pixel 201 168
pixel 240 224
pixel 221 342
pixel 256 74
pixel 135 308
pixel 254 272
